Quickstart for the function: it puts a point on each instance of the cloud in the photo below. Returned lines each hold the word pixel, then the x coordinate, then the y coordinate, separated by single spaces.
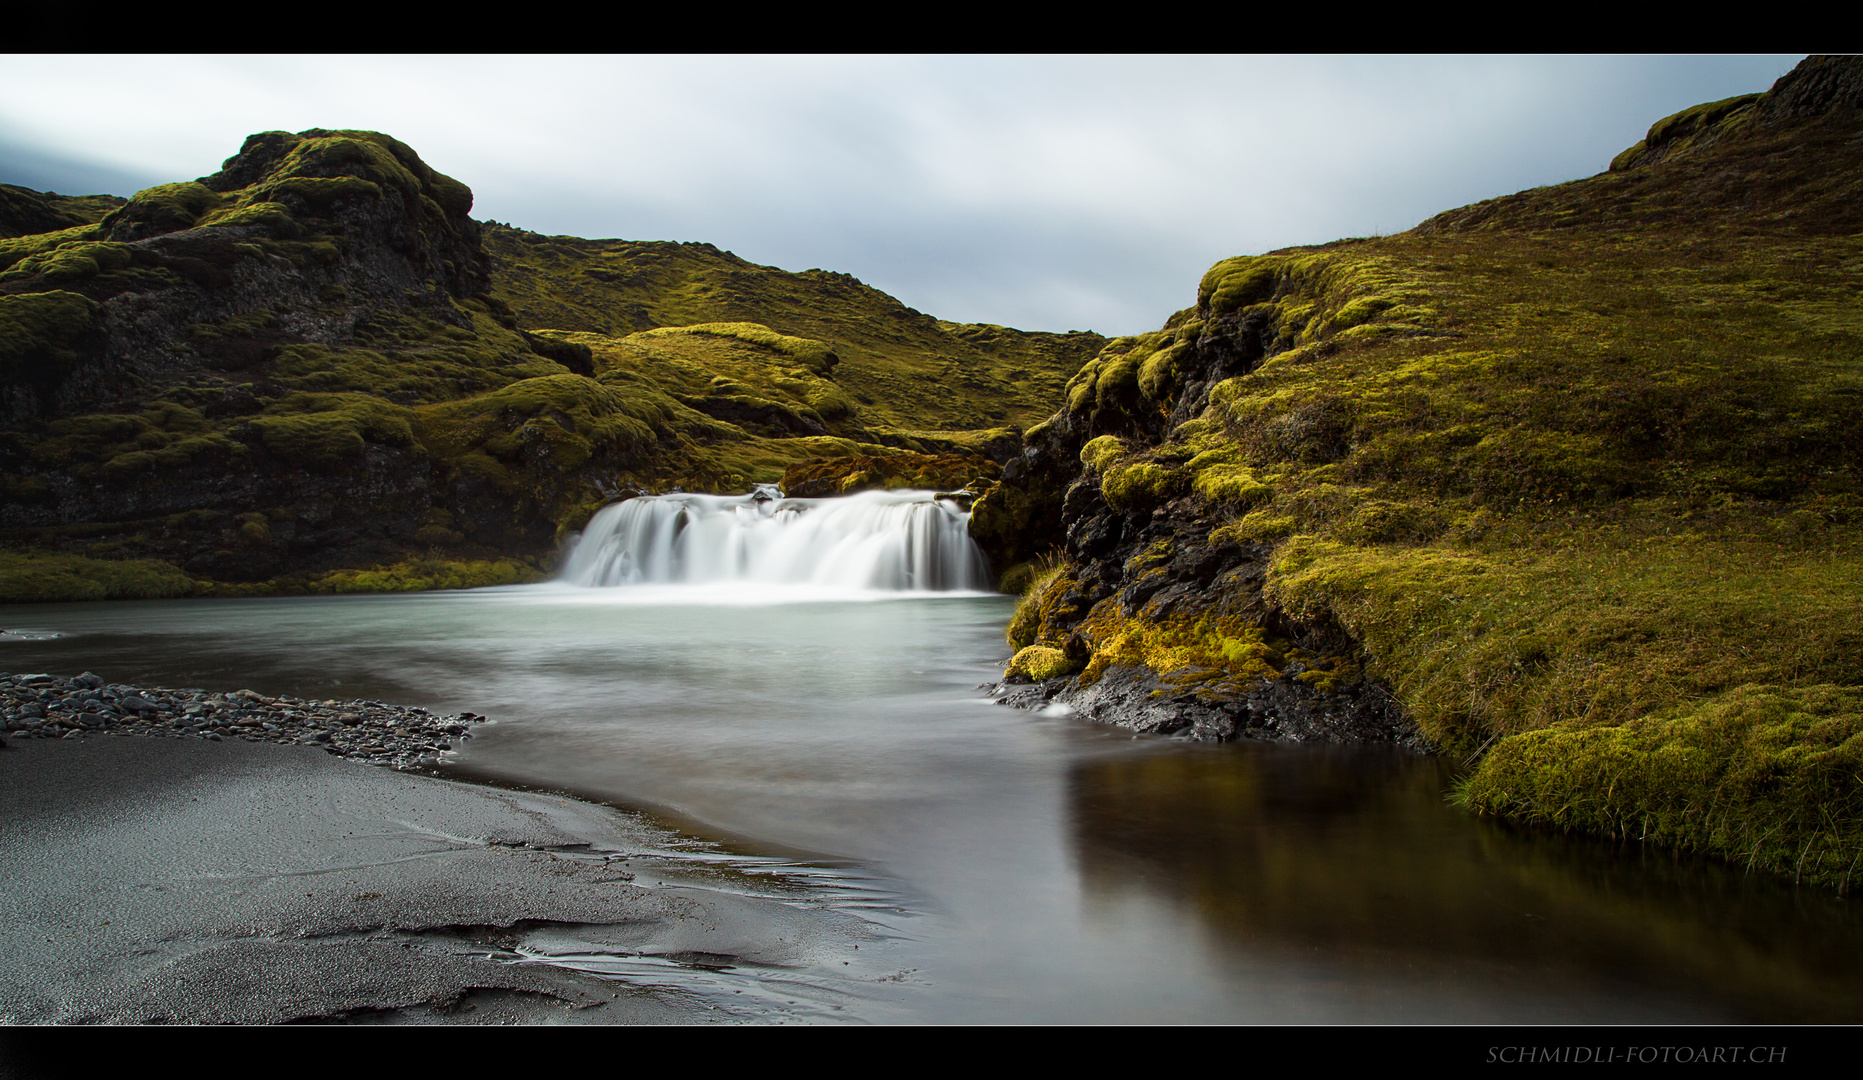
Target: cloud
pixel 1048 192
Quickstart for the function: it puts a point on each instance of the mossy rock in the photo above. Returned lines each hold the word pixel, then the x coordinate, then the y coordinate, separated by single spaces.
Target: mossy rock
pixel 1040 663
pixel 42 336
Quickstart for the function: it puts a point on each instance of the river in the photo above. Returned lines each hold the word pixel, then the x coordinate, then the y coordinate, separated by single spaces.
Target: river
pixel 1018 866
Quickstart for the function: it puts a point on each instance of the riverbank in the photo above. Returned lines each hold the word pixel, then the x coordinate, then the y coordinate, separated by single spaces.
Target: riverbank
pixel 262 880
pixel 45 706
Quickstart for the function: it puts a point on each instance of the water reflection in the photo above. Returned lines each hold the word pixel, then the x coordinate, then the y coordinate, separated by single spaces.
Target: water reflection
pixel 1354 856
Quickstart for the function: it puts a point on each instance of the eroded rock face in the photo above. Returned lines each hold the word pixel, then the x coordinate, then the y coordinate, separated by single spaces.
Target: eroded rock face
pixel 1165 606
pixel 1175 637
pixel 222 373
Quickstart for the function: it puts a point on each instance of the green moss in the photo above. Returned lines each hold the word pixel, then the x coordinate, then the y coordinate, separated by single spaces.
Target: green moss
pixel 897 369
pixel 1767 776
pixel 327 432
pixel 1578 459
pixel 15 249
pixel 1044 586
pixel 1381 521
pixel 1101 453
pixel 1040 663
pixel 320 192
pixel 1214 652
pixel 1142 483
pixel 813 355
pixel 1235 283
pixel 164 208
pixel 421 575
pixel 40 334
pixel 35 577
pixel 329 442
pixel 846 474
pixel 71 263
pixel 558 422
pixel 272 217
pixel 1579 624
pixel 1232 485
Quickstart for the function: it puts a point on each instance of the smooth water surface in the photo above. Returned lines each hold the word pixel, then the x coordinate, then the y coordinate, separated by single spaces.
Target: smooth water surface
pixel 1040 868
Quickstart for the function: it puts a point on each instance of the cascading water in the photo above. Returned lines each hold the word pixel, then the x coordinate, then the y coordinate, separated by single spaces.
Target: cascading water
pixel 895 541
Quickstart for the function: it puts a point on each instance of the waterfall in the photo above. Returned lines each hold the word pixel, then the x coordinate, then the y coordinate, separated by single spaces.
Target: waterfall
pixel 892 541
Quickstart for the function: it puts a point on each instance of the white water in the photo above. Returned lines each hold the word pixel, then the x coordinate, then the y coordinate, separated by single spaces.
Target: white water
pixel 875 541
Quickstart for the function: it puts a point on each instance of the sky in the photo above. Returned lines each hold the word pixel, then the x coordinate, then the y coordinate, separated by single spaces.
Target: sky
pixel 1042 192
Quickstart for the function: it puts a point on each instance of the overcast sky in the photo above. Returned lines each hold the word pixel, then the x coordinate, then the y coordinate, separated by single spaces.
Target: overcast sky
pixel 1044 192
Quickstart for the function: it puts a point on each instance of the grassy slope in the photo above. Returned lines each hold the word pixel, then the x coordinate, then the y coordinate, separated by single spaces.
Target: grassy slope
pixel 904 370
pixel 1582 471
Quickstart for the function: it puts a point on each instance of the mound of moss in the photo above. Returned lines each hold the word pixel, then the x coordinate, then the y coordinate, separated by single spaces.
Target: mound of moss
pixel 1575 476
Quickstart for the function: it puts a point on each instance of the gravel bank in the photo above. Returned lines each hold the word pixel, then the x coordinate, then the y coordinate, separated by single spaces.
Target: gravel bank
pixel 44 706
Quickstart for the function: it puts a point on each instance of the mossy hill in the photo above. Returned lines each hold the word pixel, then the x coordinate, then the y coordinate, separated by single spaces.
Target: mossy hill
pixel 307 372
pixel 1571 481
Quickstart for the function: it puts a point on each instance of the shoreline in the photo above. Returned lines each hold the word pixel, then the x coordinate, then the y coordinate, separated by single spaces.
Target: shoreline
pixel 40 706
pixel 174 874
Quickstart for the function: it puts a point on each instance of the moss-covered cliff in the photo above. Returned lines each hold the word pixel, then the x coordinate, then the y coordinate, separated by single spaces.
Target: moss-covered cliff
pixel 1567 484
pixel 308 372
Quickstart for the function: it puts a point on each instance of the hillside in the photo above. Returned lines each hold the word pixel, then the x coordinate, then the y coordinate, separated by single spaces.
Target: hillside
pixel 1566 484
pixel 903 369
pixel 311 371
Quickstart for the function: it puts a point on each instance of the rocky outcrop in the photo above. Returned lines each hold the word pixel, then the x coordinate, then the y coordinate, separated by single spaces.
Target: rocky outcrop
pixel 1264 518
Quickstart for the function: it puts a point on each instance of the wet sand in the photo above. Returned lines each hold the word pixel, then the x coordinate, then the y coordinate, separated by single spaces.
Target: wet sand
pixel 188 881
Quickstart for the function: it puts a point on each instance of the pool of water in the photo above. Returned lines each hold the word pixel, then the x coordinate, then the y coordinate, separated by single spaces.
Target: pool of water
pixel 1038 868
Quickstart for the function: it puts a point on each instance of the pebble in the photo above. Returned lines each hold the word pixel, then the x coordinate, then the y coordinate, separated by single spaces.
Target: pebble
pixel 45 706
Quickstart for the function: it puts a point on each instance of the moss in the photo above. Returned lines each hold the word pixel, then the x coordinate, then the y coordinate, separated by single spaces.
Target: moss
pixel 41 335
pixel 272 217
pixel 36 577
pixel 319 192
pixel 1583 624
pixel 1141 484
pixel 329 442
pixel 1381 521
pixel 15 249
pixel 896 368
pixel 1764 775
pixel 328 432
pixel 420 575
pixel 1214 652
pixel 1101 453
pixel 1232 485
pixel 71 263
pixel 560 422
pixel 1236 283
pixel 813 355
pixel 1041 663
pixel 1686 129
pixel 164 208
pixel 1045 584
